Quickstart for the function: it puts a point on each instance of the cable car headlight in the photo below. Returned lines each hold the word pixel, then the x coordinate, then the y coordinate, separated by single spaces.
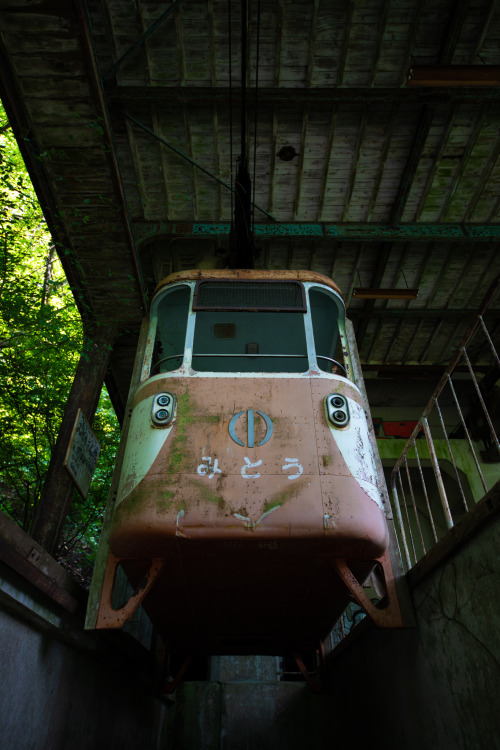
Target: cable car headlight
pixel 337 410
pixel 163 409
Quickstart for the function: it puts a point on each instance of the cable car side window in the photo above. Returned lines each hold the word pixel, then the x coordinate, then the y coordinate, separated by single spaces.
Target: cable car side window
pixel 172 315
pixel 247 326
pixel 327 339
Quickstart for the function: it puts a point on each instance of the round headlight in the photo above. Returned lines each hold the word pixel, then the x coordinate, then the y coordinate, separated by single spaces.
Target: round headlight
pixel 161 416
pixel 337 410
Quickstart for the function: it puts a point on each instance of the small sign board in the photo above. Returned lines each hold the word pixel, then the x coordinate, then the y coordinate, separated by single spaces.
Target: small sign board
pixel 82 454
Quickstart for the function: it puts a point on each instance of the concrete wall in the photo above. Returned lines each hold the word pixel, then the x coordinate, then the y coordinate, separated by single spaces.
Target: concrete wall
pixel 63 688
pixel 250 716
pixel 436 686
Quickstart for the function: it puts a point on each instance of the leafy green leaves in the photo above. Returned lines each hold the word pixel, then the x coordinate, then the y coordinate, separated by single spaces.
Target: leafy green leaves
pixel 40 344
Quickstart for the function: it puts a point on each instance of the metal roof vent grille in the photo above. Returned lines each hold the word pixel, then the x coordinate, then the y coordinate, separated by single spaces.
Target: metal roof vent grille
pixel 278 296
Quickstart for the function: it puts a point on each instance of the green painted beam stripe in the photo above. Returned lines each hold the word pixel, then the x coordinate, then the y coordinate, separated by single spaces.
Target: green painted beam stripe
pixel 356 232
pixel 266 230
pixel 363 232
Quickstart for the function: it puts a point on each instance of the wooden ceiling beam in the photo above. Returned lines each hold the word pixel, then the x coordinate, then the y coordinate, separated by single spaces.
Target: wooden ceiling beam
pixel 376 281
pixel 489 165
pixel 171 96
pixel 412 37
pixel 454 75
pixel 413 371
pixel 413 161
pixel 213 46
pixel 419 324
pixel 422 313
pixel 345 45
pixel 484 279
pixel 355 163
pixel 326 164
pixel 380 40
pixel 437 160
pixel 456 22
pixel 303 141
pixel 491 10
pixel 471 144
pixel 109 75
pixel 399 271
pixel 389 130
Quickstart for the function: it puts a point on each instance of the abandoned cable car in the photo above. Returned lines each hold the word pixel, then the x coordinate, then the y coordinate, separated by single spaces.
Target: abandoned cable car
pixel 248 510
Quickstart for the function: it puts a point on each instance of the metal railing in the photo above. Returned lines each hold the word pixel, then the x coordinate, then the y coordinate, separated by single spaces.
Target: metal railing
pixel 452 457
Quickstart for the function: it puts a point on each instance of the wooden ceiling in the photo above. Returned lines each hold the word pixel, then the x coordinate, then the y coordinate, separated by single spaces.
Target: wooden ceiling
pixel 128 114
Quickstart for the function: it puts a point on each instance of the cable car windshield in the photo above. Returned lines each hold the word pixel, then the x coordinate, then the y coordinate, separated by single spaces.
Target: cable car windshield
pixel 247 327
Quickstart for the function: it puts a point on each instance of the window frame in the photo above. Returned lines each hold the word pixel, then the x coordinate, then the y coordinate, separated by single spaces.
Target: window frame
pixel 186 368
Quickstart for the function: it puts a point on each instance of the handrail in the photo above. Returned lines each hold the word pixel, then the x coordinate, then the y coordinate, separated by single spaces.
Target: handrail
pixel 404 527
pixel 242 354
pixel 165 359
pixel 335 362
pixel 247 354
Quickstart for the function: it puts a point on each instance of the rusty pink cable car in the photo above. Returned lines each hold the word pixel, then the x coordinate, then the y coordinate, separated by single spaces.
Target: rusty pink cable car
pixel 248 510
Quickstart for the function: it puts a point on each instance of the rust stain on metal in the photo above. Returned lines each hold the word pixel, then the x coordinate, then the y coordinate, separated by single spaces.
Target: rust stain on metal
pixel 249 275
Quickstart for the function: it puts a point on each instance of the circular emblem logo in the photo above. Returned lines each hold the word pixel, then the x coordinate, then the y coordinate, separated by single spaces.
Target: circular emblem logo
pixel 250 428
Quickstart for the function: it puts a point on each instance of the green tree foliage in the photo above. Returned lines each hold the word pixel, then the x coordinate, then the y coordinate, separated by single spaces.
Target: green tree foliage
pixel 40 343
